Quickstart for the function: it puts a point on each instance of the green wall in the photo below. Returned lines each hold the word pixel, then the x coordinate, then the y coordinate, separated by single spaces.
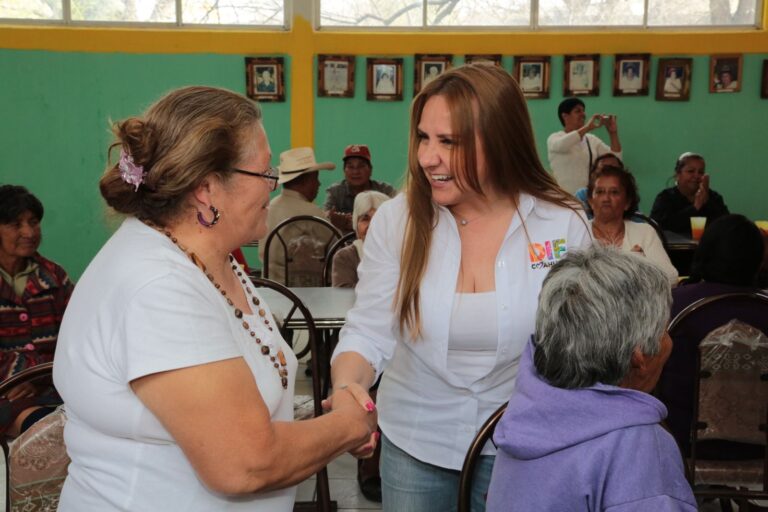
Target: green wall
pixel 56 109
pixel 54 134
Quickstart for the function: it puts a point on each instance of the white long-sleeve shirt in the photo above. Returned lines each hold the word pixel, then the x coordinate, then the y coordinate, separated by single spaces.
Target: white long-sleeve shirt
pixel 569 157
pixel 424 408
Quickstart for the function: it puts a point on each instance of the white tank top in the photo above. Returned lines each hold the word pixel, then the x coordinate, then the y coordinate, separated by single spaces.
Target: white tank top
pixel 473 335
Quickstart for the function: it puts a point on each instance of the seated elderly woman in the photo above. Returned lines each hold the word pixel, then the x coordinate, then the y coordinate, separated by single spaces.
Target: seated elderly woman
pixel 613 198
pixel 581 431
pixel 34 292
pixel 601 161
pixel 345 262
pixel 717 268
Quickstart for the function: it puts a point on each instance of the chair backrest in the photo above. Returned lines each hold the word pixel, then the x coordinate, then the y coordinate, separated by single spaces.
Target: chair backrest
pixel 732 393
pixel 323 489
pixel 338 244
pixel 639 216
pixel 36 464
pixel 301 244
pixel 470 460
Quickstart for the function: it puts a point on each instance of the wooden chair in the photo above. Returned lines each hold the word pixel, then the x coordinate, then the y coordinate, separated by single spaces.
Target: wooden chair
pixel 473 454
pixel 338 244
pixel 730 399
pixel 36 463
pixel 296 247
pixel 323 503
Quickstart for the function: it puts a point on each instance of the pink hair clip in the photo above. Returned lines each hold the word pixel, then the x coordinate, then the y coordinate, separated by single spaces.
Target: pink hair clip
pixel 130 172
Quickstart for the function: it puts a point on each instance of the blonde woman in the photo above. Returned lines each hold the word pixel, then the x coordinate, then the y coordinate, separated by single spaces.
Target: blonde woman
pixel 449 280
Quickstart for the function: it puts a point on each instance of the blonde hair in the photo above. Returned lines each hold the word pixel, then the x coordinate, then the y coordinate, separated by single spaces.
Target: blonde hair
pixel 483 100
pixel 181 139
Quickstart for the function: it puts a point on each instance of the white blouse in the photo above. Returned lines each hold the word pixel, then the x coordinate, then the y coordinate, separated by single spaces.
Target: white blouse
pixel 424 408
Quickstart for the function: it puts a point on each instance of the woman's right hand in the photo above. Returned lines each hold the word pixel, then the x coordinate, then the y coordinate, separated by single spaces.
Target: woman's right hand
pixel 353 400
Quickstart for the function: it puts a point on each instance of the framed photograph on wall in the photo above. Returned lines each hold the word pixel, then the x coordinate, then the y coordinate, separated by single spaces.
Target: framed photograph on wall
pixel 532 74
pixel 764 81
pixel 630 74
pixel 725 73
pixel 264 78
pixel 673 82
pixel 428 67
pixel 494 59
pixel 336 75
pixel 582 75
pixel 385 79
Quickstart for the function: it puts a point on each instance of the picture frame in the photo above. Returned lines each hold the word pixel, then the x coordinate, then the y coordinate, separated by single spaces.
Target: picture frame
pixel 673 81
pixel 630 74
pixel 384 79
pixel 336 76
pixel 486 58
pixel 581 75
pixel 764 81
pixel 264 78
pixel 532 75
pixel 427 67
pixel 725 73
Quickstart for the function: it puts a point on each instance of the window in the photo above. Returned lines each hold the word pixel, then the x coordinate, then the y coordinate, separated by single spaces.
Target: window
pixel 538 13
pixel 190 12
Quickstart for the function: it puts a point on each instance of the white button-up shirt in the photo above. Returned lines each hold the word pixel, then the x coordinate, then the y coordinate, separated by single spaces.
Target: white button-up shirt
pixel 425 409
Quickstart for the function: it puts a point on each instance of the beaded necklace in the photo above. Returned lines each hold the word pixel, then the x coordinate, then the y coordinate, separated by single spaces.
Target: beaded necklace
pixel 278 359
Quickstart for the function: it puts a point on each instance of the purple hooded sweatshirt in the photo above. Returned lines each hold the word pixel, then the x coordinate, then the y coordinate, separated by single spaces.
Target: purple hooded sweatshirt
pixel 590 449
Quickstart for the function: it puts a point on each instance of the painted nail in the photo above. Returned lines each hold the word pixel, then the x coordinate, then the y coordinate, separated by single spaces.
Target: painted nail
pixel 377 436
pixel 370 406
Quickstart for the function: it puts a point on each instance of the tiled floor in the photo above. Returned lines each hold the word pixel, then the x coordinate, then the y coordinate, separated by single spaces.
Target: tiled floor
pixel 342 473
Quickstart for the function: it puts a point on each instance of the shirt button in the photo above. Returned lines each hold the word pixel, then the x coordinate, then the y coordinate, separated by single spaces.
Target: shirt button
pixel 504 307
pixel 23 317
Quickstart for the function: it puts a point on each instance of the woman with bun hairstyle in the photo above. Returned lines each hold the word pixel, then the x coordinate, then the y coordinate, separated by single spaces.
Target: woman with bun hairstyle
pixel 177 385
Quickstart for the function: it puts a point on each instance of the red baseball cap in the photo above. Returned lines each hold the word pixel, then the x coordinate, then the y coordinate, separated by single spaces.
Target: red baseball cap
pixel 359 151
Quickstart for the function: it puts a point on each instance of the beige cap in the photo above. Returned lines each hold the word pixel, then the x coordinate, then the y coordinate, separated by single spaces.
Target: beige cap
pixel 297 161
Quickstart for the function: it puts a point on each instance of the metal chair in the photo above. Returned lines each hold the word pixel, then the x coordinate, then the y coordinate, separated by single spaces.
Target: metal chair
pixel 323 503
pixel 730 395
pixel 338 244
pixel 291 236
pixel 470 461
pixel 41 472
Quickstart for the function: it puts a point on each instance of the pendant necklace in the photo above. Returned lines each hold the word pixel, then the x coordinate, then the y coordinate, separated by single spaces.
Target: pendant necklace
pixel 277 359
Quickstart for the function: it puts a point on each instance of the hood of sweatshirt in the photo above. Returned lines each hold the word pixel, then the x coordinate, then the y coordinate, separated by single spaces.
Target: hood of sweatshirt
pixel 542 419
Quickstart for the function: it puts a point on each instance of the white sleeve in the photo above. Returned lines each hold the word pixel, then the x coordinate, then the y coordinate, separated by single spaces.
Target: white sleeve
pixel 601 148
pixel 171 323
pixel 579 231
pixel 562 142
pixel 371 328
pixel 654 251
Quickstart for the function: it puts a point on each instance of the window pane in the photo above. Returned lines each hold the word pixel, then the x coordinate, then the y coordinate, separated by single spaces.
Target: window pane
pixel 234 12
pixel 371 13
pixel 124 10
pixel 31 9
pixel 702 12
pixel 479 13
pixel 591 12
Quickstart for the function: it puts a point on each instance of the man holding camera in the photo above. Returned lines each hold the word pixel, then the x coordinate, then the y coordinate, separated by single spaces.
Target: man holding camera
pixel 572 150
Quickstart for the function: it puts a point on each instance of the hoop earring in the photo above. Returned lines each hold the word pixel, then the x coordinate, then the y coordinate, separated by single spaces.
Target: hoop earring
pixel 213 222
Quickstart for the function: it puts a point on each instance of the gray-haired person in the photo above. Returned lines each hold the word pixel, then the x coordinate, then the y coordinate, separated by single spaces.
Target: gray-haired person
pixel 581 431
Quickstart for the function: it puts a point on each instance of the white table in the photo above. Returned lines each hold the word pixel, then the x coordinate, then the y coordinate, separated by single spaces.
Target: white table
pixel 327 305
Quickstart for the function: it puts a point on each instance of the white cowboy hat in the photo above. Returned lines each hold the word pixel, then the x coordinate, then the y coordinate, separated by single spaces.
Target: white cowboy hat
pixel 298 161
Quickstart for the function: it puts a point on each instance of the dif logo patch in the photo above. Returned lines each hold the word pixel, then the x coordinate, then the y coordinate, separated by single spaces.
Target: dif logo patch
pixel 546 254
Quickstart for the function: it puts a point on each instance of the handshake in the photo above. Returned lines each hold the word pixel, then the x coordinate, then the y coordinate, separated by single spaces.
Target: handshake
pixel 354 402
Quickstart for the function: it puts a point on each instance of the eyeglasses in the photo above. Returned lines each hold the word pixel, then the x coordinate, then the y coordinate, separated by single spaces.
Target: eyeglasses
pixel 271 175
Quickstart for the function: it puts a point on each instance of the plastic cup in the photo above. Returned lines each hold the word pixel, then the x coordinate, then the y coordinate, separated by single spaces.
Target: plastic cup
pixel 763 225
pixel 697 227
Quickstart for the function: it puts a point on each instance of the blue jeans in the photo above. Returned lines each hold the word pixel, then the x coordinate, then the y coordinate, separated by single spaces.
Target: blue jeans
pixel 409 485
